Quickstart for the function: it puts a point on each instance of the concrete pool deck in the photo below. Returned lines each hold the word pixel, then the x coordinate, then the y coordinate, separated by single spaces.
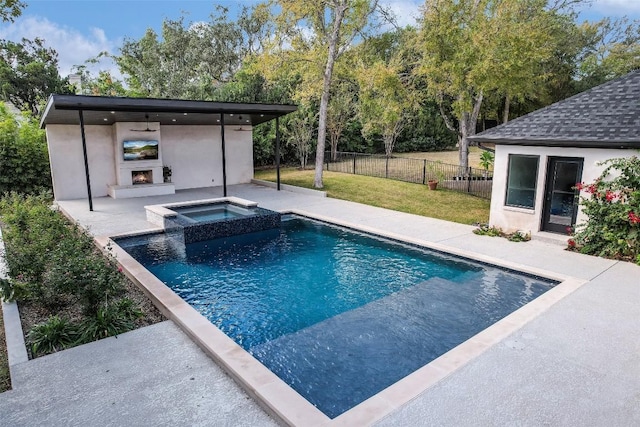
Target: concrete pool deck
pixel 576 363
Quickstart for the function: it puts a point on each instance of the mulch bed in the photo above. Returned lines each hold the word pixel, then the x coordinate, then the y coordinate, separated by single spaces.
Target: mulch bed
pixel 32 313
pixel 5 379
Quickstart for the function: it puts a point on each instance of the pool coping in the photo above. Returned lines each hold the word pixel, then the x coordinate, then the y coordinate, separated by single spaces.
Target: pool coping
pixel 284 403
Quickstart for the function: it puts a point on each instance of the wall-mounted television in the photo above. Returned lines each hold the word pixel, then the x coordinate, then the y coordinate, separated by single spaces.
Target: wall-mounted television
pixel 140 150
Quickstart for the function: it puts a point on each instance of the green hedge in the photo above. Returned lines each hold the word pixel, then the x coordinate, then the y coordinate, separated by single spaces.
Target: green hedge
pixel 24 159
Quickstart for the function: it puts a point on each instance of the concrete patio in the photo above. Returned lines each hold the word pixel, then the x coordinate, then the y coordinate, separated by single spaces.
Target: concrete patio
pixel 577 363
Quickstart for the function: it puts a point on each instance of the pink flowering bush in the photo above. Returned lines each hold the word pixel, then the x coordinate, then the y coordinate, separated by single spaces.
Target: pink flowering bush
pixel 612 205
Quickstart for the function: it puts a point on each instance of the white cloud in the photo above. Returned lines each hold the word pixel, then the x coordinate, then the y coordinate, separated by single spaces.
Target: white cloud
pixel 406 11
pixel 73 47
pixel 617 7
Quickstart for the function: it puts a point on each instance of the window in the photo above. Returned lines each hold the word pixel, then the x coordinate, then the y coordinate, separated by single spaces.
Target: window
pixel 521 181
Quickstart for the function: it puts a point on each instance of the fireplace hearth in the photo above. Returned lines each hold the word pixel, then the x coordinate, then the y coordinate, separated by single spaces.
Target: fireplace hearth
pixel 142 177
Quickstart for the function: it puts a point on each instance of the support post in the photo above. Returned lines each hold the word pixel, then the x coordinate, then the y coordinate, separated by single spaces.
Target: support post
pixel 424 171
pixel 469 179
pixel 86 160
pixel 224 156
pixel 278 153
pixel 354 163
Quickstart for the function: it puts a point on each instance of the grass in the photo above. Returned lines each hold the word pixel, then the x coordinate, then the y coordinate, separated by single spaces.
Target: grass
pixel 5 379
pixel 449 157
pixel 386 193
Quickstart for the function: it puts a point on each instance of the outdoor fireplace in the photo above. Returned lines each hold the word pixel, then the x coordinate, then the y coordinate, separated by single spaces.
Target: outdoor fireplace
pixel 142 177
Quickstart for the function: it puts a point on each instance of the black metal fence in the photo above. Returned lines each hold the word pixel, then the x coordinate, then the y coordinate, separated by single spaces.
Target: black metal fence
pixel 452 177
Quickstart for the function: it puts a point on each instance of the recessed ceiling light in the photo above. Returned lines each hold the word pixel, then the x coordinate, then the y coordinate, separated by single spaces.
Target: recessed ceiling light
pixel 261 115
pixel 184 114
pixel 247 121
pixel 231 114
pixel 218 120
pixel 173 120
pixel 105 119
pixel 113 112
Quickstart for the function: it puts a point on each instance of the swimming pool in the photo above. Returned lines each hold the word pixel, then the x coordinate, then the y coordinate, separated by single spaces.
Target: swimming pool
pixel 338 315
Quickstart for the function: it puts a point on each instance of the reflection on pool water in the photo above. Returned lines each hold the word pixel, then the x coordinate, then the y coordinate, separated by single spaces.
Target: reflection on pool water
pixel 338 315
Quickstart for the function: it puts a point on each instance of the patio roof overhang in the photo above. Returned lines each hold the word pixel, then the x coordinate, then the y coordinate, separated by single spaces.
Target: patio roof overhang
pixel 106 110
pixel 86 110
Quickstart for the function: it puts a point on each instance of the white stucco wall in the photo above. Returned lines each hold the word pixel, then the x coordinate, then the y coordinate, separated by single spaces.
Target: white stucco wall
pixel 511 218
pixel 193 152
pixel 239 149
pixel 67 161
pixel 195 155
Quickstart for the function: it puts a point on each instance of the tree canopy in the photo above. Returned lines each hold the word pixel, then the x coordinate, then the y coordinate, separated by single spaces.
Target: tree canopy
pixel 10 10
pixel 29 74
pixel 361 82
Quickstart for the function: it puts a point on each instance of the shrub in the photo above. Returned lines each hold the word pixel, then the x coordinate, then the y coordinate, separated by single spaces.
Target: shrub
pixel 517 236
pixel 109 320
pixel 55 266
pixel 12 290
pixel 31 231
pixel 55 334
pixel 612 206
pixel 23 151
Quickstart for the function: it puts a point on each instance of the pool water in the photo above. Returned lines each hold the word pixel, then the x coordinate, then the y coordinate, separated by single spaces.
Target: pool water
pixel 338 315
pixel 219 211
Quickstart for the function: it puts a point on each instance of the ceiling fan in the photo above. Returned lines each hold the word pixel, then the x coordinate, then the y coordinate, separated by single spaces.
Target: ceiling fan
pixel 241 128
pixel 146 116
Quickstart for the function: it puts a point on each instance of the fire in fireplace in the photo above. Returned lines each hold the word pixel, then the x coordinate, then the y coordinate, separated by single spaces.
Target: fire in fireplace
pixel 142 177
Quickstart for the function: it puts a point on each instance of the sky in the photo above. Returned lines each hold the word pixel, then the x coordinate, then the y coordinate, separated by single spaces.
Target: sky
pixel 80 29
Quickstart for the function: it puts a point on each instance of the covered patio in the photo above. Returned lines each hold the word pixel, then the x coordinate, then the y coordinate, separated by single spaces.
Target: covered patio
pixel 136 147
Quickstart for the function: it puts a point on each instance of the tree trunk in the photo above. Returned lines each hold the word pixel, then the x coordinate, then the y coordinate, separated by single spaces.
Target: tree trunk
pixel 324 100
pixel 463 143
pixel 507 104
pixel 468 123
pixel 334 137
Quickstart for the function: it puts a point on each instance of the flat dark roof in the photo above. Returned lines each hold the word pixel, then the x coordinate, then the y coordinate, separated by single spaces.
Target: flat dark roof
pixel 106 110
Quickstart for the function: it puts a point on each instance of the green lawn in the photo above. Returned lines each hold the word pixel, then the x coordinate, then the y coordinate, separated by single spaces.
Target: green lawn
pixel 390 194
pixel 450 157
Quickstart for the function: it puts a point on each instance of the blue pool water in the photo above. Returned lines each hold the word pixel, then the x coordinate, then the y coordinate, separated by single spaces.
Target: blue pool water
pixel 337 314
pixel 213 212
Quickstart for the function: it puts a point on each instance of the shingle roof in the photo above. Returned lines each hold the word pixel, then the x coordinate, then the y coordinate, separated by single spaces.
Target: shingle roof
pixel 606 116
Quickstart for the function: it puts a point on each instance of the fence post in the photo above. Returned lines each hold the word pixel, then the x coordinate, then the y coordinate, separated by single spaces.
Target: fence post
pixel 424 171
pixel 354 163
pixel 386 168
pixel 327 160
pixel 469 181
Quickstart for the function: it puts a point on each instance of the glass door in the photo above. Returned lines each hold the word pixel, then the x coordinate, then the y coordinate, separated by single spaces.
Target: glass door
pixel 561 203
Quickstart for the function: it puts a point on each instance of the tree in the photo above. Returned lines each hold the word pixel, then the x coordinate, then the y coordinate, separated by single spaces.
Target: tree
pixel 341 110
pixel 385 102
pixel 10 10
pixel 329 28
pixel 611 49
pixel 104 84
pixel 190 61
pixel 470 48
pixel 29 74
pixel 387 97
pixel 299 134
